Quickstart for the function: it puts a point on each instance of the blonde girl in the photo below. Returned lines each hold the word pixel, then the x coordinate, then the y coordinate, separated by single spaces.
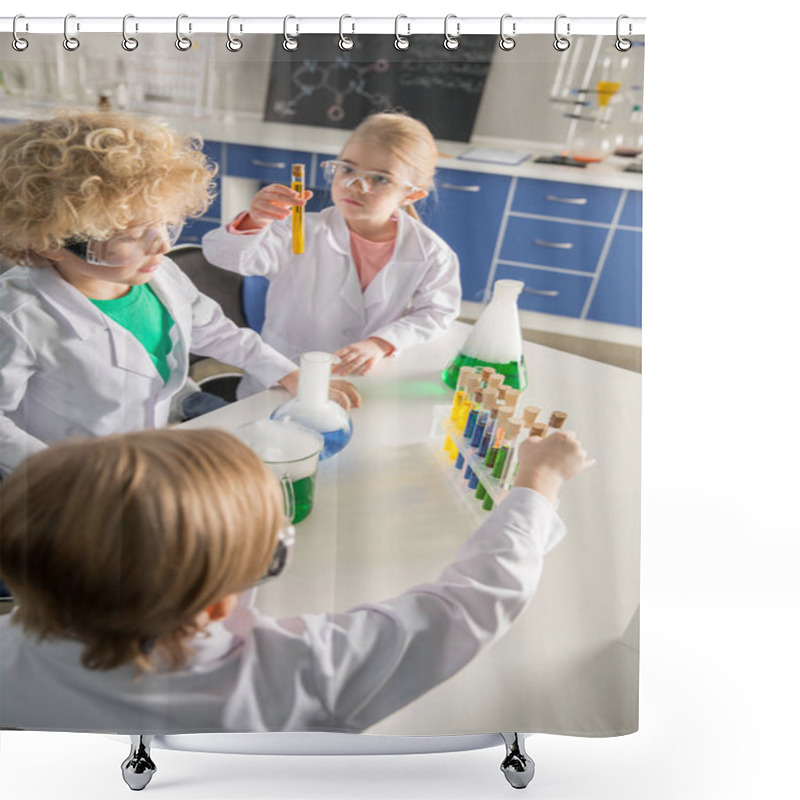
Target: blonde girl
pixel 96 322
pixel 129 557
pixel 373 279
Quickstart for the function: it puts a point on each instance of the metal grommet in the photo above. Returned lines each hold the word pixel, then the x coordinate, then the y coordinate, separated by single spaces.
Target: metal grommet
pixel 622 44
pixel 345 42
pixel 129 43
pixel 401 42
pixel 183 43
pixel 70 42
pixel 288 42
pixel 451 42
pixel 507 42
pixel 233 44
pixel 561 43
pixel 18 43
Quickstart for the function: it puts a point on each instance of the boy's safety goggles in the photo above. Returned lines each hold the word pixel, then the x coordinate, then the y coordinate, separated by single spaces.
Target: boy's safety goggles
pixel 377 182
pixel 130 247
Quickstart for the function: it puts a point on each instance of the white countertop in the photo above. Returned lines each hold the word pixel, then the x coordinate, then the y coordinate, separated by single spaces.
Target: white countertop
pixel 253 131
pixel 388 515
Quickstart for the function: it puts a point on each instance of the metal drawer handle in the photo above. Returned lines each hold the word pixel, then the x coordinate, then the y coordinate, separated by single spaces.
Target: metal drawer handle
pixel 572 201
pixel 458 188
pixel 554 245
pixel 269 164
pixel 542 292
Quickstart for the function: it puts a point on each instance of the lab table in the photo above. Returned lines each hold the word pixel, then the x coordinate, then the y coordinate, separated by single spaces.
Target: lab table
pixel 390 512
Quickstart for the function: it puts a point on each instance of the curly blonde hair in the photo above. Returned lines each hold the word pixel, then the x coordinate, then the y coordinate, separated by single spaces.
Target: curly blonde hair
pixel 121 542
pixel 87 174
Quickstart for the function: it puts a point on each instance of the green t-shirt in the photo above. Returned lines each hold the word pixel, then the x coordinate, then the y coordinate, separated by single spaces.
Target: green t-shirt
pixel 144 315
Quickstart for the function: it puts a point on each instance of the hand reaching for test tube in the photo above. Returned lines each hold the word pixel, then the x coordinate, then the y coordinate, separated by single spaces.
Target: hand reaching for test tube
pixel 360 357
pixel 546 464
pixel 273 202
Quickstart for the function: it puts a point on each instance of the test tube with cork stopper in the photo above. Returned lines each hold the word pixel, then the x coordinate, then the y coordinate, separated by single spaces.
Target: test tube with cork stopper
pixel 298 212
pixel 529 415
pixel 504 414
pixel 506 454
pixel 486 373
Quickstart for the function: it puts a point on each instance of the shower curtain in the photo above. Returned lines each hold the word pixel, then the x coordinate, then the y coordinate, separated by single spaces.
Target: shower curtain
pixel 538 180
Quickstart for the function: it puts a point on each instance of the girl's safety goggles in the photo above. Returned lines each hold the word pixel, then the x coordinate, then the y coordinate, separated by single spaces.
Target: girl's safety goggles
pixel 129 247
pixel 377 182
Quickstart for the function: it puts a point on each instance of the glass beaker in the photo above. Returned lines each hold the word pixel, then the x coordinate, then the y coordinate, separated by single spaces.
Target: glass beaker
pixel 292 453
pixel 313 408
pixel 495 340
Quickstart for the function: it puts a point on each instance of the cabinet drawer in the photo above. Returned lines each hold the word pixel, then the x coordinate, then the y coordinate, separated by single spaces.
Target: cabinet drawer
pixel 618 297
pixel 568 200
pixel 553 244
pixel 548 292
pixel 266 164
pixel 632 210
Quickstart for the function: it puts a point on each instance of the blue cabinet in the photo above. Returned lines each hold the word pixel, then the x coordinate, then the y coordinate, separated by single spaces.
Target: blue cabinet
pixel 618 296
pixel 466 210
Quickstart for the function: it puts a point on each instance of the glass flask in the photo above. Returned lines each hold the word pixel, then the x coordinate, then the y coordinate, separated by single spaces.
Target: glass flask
pixel 495 340
pixel 313 408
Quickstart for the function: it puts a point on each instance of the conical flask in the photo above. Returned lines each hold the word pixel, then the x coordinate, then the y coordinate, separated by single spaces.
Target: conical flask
pixel 495 340
pixel 312 408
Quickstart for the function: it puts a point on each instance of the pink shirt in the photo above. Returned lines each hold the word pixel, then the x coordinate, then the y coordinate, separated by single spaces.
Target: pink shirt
pixel 369 257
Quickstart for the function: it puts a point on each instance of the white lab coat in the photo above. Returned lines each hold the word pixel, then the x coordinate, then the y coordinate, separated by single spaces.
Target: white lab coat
pixel 322 672
pixel 315 301
pixel 67 369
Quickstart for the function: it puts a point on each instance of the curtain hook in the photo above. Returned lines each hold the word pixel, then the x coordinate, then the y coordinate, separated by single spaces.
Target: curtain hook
pixel 401 42
pixel 345 42
pixel 561 43
pixel 623 45
pixel 70 43
pixel 183 43
pixel 289 43
pixel 233 44
pixel 507 42
pixel 451 42
pixel 18 43
pixel 129 43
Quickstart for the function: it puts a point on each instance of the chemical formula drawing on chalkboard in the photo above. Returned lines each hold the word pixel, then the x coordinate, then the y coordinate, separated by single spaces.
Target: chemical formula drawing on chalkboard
pixel 338 89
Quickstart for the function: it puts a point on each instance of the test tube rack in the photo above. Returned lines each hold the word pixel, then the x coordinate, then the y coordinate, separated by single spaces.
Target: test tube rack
pixel 443 427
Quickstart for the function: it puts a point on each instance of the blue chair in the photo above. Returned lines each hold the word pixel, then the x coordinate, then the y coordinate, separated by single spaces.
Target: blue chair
pixel 254 300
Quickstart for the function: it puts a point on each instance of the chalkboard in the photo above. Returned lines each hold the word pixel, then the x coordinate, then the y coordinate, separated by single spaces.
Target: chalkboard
pixel 320 84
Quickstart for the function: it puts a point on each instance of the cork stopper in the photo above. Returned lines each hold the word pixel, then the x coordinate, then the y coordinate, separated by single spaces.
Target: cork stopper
pixel 557 419
pixel 473 382
pixel 512 397
pixel 529 415
pixel 504 413
pixel 486 373
pixel 479 395
pixel 496 380
pixel 513 427
pixel 298 171
pixel 463 374
pixel 489 397
pixel 539 429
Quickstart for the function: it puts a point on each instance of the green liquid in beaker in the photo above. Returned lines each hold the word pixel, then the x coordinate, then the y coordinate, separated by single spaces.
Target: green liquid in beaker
pixel 516 376
pixel 303 497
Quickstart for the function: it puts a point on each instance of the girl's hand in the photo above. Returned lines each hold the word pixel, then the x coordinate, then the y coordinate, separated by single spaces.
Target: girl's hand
pixel 341 392
pixel 546 464
pixel 273 202
pixel 360 357
pixel 345 394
